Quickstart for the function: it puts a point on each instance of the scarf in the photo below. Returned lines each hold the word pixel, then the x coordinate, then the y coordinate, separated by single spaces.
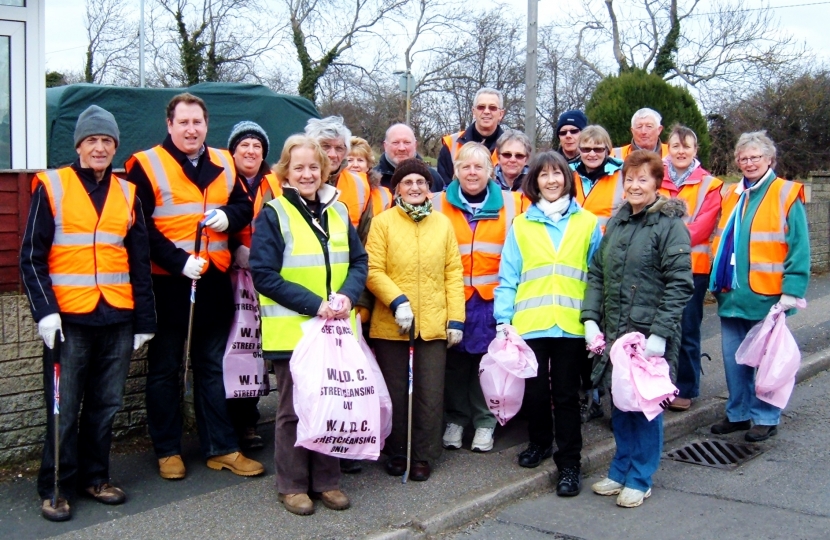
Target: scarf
pixel 679 179
pixel 723 277
pixel 556 209
pixel 416 213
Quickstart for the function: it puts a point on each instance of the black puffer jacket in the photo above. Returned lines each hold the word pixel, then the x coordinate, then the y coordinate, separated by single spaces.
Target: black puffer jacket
pixel 640 279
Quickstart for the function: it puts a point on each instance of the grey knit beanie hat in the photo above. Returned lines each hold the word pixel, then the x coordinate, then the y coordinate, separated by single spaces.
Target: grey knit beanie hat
pixel 246 130
pixel 95 121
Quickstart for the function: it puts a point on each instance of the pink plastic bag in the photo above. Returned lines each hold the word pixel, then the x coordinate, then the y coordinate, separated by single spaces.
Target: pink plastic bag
pixel 502 374
pixel 243 368
pixel 771 348
pixel 384 398
pixel 335 392
pixel 639 384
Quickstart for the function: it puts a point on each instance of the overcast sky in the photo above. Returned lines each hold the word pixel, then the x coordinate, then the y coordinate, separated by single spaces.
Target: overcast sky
pixel 66 41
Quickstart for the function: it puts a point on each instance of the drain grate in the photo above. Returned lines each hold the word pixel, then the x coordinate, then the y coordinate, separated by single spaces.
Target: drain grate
pixel 715 453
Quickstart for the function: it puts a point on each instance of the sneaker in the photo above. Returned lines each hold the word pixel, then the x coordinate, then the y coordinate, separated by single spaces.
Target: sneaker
pixel 725 426
pixel 107 493
pixel 60 512
pixel 632 498
pixel 452 436
pixel 761 433
pixel 570 482
pixel 590 409
pixel 533 455
pixel 606 486
pixel 483 440
pixel 236 463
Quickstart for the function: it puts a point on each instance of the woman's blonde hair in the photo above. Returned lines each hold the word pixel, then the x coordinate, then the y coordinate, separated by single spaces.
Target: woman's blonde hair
pixel 596 135
pixel 474 151
pixel 280 168
pixel 361 148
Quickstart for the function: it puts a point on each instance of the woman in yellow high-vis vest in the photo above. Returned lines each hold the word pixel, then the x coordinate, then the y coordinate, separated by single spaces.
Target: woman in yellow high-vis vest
pixel 304 249
pixel 542 282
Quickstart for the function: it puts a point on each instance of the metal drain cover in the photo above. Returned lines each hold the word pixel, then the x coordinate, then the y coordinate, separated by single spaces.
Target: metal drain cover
pixel 715 453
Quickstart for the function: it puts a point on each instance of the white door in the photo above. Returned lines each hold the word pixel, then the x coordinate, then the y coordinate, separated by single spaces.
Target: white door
pixel 12 95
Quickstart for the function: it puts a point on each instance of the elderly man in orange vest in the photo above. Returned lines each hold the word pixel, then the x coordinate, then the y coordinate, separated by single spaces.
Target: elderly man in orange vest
pixel 645 135
pixel 85 262
pixel 183 182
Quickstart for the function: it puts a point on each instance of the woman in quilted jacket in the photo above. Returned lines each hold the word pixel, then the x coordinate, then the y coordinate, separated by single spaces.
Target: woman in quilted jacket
pixel 416 276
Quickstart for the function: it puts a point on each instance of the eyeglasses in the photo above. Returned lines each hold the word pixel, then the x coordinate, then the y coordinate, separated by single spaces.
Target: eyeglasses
pixel 753 159
pixel 511 155
pixel 595 149
pixel 409 183
pixel 573 131
pixel 338 149
pixel 491 108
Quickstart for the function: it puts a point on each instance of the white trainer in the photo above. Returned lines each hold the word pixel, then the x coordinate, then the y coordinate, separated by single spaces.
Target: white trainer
pixel 632 498
pixel 483 440
pixel 606 486
pixel 452 436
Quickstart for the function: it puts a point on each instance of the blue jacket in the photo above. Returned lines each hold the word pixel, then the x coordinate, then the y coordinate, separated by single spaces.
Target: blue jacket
pixel 510 269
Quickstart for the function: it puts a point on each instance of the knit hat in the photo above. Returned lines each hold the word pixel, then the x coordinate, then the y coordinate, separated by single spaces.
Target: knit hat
pixel 572 118
pixel 95 121
pixel 248 130
pixel 407 167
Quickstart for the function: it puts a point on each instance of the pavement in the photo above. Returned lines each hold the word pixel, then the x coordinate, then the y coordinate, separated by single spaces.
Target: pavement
pixel 464 486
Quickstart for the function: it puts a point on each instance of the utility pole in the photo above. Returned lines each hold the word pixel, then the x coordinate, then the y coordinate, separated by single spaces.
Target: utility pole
pixel 141 45
pixel 531 74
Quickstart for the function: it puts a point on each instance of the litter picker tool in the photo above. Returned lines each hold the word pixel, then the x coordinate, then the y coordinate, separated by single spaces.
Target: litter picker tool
pixel 409 408
pixel 56 409
pixel 197 249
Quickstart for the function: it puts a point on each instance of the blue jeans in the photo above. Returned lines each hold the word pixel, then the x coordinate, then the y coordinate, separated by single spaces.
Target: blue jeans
pixel 639 445
pixel 742 404
pixel 94 362
pixel 688 361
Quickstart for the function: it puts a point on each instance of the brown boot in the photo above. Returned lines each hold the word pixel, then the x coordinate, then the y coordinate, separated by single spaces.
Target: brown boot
pixel 61 512
pixel 334 499
pixel 297 503
pixel 171 467
pixel 236 463
pixel 107 493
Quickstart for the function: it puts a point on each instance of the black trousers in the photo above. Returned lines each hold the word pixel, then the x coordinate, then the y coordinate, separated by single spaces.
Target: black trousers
pixel 561 361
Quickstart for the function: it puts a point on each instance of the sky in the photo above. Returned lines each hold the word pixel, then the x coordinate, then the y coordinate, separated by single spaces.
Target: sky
pixel 806 19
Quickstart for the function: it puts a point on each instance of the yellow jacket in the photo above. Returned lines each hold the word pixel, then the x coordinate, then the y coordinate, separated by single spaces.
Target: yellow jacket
pixel 421 262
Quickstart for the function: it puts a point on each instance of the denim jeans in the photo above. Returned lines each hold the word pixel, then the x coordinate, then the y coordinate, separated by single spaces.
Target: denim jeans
pixel 639 445
pixel 688 361
pixel 742 404
pixel 94 362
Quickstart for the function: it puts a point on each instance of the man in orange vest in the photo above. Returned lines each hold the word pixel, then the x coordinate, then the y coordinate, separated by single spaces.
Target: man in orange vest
pixel 488 111
pixel 85 262
pixel 335 138
pixel 399 145
pixel 182 182
pixel 645 135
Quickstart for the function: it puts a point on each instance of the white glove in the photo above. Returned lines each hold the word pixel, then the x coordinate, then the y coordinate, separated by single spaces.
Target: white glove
pixel 787 302
pixel 241 256
pixel 47 327
pixel 404 316
pixel 193 267
pixel 500 331
pixel 591 331
pixel 141 339
pixel 454 337
pixel 216 220
pixel 655 346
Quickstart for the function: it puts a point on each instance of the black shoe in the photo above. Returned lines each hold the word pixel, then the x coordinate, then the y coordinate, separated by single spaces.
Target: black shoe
pixel 761 433
pixel 350 466
pixel 533 455
pixel 396 465
pixel 570 482
pixel 590 409
pixel 251 440
pixel 420 471
pixel 725 426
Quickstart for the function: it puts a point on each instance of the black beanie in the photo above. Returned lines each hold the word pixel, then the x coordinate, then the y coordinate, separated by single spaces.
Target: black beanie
pixel 407 167
pixel 572 118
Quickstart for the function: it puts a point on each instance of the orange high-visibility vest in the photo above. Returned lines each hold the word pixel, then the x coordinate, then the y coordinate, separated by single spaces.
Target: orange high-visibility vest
pixel 180 205
pixel 88 258
pixel 381 199
pixel 604 199
pixel 269 188
pixel 481 251
pixel 693 195
pixel 454 145
pixel 354 193
pixel 767 233
pixel 621 152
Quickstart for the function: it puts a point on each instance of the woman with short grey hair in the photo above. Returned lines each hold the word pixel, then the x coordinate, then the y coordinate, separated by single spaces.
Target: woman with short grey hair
pixel 514 151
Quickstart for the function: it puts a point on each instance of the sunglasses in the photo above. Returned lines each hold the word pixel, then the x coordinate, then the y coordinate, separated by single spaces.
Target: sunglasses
pixel 569 132
pixel 511 155
pixel 595 149
pixel 491 108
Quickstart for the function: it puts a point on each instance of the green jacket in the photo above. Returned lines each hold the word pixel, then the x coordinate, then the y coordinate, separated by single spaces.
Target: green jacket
pixel 640 279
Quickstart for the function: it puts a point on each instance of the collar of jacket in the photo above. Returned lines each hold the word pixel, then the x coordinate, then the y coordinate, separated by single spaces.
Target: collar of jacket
pixel 668 207
pixel 205 173
pixel 327 194
pixel 472 134
pixel 610 166
pixel 535 214
pixel 517 183
pixel 334 176
pixel 88 175
pixel 490 209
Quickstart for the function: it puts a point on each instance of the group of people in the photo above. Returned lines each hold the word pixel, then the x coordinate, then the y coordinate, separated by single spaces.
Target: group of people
pixel 559 247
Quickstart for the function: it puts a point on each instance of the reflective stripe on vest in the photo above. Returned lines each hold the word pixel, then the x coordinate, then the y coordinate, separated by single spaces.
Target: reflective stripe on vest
pixel 694 195
pixel 304 263
pixel 354 193
pixel 269 188
pixel 604 199
pixel 381 200
pixel 180 205
pixel 453 145
pixel 88 258
pixel 767 234
pixel 553 282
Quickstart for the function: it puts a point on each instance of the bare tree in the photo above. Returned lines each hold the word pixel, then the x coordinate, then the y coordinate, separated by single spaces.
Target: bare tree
pixel 112 41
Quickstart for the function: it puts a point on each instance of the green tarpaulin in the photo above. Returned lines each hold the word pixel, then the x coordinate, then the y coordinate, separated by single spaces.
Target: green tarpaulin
pixel 140 113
